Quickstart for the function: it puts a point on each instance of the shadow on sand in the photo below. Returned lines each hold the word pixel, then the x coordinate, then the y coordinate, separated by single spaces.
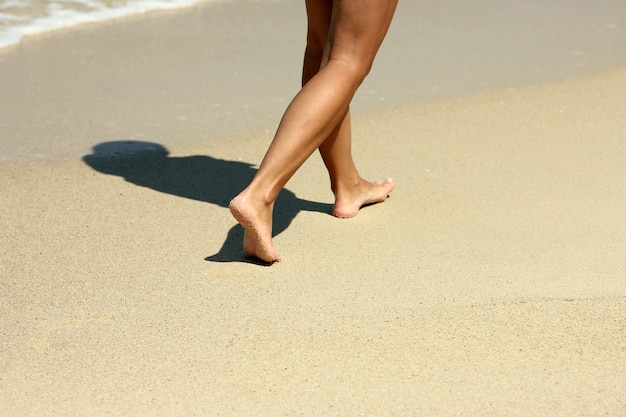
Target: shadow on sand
pixel 197 177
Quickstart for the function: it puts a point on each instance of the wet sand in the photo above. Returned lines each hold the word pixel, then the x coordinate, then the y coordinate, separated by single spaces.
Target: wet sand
pixel 491 282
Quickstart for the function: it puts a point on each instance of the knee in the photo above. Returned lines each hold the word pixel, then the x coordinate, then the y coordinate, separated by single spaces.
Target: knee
pixel 355 63
pixel 357 68
pixel 315 45
pixel 313 55
pixel 362 68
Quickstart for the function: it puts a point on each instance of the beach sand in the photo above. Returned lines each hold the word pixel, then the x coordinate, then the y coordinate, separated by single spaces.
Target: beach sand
pixel 491 282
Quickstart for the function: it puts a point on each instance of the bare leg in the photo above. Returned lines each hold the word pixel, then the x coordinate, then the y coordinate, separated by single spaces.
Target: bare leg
pixel 355 33
pixel 350 189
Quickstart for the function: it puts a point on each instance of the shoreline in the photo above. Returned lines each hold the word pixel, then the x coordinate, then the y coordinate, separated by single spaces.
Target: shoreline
pixel 189 76
pixel 69 19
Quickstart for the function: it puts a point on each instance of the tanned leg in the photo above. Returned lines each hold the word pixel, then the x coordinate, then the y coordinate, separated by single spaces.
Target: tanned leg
pixel 350 189
pixel 355 34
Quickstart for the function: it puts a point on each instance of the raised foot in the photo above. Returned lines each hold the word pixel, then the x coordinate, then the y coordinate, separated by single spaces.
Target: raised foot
pixel 257 238
pixel 349 202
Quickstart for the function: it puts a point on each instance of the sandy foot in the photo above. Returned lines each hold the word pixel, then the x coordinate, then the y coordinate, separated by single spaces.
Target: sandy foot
pixel 348 204
pixel 257 238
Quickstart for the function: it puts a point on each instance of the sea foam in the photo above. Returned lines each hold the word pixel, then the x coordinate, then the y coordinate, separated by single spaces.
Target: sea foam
pixel 20 18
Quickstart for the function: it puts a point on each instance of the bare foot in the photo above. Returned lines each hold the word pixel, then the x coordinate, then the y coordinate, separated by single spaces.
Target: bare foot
pixel 349 201
pixel 257 238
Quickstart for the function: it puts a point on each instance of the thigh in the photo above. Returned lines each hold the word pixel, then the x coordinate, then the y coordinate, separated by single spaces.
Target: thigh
pixel 358 28
pixel 319 13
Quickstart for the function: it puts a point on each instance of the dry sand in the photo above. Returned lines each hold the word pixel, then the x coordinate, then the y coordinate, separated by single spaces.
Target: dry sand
pixel 492 282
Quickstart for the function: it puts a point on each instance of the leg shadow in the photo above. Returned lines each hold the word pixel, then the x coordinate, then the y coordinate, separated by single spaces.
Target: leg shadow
pixel 198 177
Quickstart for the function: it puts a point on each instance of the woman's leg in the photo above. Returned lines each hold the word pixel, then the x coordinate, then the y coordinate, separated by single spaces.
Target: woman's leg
pixel 351 191
pixel 355 33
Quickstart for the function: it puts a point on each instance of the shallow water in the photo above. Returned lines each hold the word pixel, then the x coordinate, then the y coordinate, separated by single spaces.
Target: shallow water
pixel 19 18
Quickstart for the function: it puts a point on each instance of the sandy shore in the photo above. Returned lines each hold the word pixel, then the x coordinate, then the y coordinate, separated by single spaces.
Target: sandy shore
pixel 198 75
pixel 492 281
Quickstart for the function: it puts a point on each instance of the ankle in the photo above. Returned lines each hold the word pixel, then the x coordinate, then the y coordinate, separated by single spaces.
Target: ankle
pixel 346 185
pixel 255 198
